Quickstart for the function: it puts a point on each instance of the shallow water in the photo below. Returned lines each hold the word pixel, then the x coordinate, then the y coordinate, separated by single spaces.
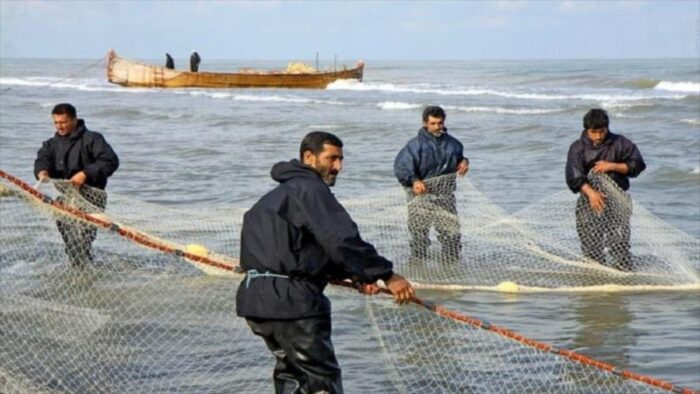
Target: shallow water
pixel 203 149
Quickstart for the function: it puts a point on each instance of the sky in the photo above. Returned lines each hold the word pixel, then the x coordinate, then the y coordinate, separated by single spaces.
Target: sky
pixel 370 30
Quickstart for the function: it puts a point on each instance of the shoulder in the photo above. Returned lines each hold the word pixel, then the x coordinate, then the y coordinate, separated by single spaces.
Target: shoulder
pixel 576 145
pixel 453 140
pixel 414 144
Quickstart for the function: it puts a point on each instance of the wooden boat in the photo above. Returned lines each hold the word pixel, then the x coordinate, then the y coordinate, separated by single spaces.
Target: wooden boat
pixel 125 72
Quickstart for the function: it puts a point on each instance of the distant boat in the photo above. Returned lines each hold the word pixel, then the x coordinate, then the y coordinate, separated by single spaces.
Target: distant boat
pixel 125 72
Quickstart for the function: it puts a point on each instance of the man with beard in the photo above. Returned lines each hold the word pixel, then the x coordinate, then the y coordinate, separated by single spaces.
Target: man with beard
pixel 85 158
pixel 294 240
pixel 601 225
pixel 426 166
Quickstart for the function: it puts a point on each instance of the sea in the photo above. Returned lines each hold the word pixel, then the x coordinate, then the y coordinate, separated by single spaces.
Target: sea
pixel 204 149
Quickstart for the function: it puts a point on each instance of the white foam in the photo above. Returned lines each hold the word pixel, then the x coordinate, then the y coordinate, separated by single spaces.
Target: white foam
pixel 695 171
pixel 478 91
pixel 507 111
pixel 694 122
pixel 397 105
pixel 685 87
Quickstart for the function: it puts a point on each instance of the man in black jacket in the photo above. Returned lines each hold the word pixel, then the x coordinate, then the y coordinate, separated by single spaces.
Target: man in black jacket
pixel 600 224
pixel 194 61
pixel 169 62
pixel 85 158
pixel 294 240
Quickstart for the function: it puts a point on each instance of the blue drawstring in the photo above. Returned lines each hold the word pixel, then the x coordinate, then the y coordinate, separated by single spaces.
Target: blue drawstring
pixel 252 274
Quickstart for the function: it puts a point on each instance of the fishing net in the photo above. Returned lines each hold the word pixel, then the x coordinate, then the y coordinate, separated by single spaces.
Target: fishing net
pixel 103 293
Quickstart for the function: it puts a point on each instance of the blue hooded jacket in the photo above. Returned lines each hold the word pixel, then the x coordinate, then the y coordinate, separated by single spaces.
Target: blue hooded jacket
pixel 427 156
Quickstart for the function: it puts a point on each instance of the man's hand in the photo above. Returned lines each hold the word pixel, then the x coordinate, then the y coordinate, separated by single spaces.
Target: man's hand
pixel 43 176
pixel 79 178
pixel 595 198
pixel 401 289
pixel 368 288
pixel 462 167
pixel 419 187
pixel 604 167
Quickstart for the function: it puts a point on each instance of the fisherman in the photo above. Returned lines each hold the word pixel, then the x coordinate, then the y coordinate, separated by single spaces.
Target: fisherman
pixel 430 154
pixel 194 61
pixel 85 158
pixel 601 225
pixel 169 63
pixel 294 240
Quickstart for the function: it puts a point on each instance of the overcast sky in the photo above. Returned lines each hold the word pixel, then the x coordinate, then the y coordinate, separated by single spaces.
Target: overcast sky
pixel 392 30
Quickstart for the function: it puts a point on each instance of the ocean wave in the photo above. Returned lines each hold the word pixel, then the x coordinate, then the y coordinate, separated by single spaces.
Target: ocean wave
pixel 398 105
pixel 685 87
pixel 506 111
pixel 694 122
pixel 641 83
pixel 90 85
pixel 465 91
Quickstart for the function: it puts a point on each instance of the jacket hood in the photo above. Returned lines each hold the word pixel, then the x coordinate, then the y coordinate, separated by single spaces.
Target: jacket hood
pixel 286 170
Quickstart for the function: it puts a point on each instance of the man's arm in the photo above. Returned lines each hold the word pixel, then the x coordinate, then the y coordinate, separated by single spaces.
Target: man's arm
pixel 44 162
pixel 406 164
pixel 630 164
pixel 400 288
pixel 463 167
pixel 106 161
pixel 596 199
pixel 604 167
pixel 575 170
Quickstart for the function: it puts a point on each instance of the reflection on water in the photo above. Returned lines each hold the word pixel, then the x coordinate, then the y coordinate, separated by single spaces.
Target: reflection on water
pixel 604 331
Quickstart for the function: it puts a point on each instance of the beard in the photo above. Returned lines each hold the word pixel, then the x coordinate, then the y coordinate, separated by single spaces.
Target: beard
pixel 328 175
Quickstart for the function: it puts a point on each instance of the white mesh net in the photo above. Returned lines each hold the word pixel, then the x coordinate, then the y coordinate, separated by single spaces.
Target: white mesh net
pixel 114 297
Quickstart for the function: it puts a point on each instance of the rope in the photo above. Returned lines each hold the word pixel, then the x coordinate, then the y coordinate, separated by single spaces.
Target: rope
pixel 154 243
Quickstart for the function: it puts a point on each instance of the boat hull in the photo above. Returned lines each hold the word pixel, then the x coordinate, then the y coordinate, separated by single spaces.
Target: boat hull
pixel 128 73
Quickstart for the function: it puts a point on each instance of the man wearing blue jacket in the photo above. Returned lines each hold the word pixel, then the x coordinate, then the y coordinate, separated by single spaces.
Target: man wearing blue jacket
pixel 85 158
pixel 294 240
pixel 600 225
pixel 432 154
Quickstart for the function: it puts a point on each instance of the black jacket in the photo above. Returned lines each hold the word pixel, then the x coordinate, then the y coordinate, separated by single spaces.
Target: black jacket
pixel 616 148
pixel 82 150
pixel 301 231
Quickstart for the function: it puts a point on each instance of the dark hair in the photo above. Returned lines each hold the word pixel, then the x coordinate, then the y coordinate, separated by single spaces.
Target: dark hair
pixel 315 140
pixel 433 111
pixel 596 118
pixel 64 109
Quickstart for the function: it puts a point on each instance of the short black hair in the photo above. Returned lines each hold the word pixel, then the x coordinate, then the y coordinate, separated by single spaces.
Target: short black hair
pixel 433 111
pixel 315 140
pixel 64 109
pixel 596 118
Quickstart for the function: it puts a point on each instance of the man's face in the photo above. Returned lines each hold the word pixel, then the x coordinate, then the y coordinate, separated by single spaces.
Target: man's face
pixel 328 163
pixel 64 124
pixel 597 136
pixel 434 126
